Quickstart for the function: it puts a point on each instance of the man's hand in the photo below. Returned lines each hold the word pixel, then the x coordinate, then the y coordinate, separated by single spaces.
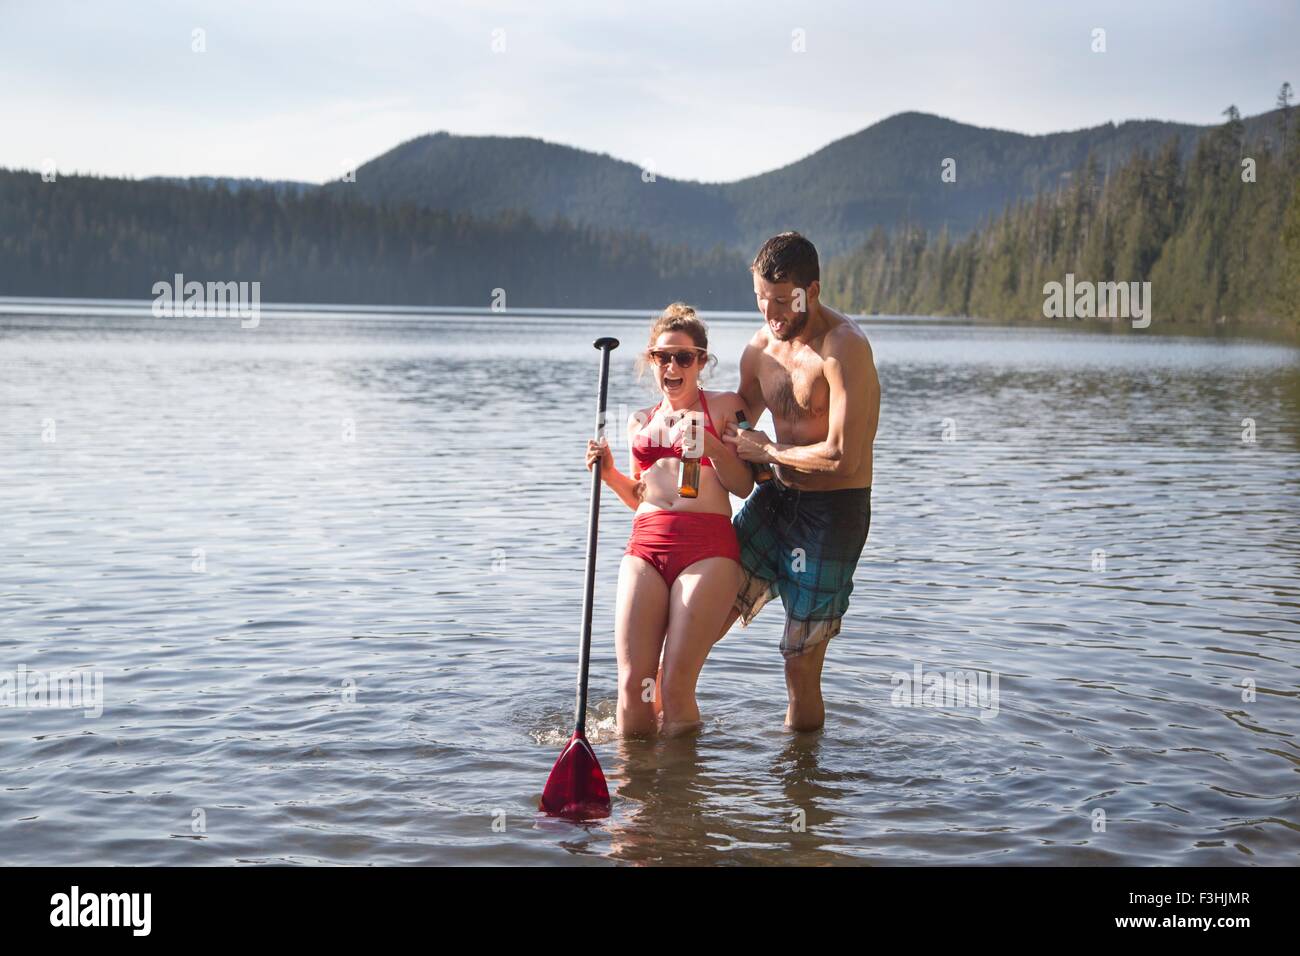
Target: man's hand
pixel 749 444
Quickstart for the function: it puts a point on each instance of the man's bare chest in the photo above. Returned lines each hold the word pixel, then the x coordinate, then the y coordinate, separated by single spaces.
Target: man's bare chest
pixel 795 393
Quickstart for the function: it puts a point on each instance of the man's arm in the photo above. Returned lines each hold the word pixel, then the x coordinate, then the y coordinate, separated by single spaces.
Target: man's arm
pixel 854 412
pixel 750 389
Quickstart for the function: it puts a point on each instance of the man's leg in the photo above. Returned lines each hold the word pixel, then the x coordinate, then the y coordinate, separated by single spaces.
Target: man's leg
pixel 832 529
pixel 803 686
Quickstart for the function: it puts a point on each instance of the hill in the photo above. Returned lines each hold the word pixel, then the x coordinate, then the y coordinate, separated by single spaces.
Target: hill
pixel 887 175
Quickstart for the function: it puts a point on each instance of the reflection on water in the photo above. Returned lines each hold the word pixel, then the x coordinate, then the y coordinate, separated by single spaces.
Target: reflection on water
pixel 331 572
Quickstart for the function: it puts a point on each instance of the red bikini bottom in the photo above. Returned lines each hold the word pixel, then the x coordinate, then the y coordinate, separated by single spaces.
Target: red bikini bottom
pixel 674 540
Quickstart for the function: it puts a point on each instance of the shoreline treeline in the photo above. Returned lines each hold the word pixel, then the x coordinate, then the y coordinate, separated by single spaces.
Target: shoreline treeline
pixel 1218 238
pixel 1215 244
pixel 85 236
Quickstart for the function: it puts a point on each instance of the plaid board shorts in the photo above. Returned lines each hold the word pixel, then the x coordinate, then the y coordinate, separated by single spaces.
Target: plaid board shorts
pixel 803 545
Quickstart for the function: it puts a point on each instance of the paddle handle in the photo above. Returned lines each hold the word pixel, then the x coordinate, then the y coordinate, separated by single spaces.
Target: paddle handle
pixel 605 345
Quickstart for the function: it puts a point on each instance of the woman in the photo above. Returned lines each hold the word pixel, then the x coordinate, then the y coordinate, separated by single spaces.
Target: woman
pixel 681 570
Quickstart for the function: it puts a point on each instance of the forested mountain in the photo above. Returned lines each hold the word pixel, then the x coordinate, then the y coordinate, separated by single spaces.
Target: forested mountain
pixel 1212 245
pixel 487 175
pixel 1124 203
pixel 887 175
pixel 92 237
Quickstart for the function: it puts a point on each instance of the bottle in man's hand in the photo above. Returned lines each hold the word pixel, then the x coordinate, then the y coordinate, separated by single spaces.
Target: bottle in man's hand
pixel 762 472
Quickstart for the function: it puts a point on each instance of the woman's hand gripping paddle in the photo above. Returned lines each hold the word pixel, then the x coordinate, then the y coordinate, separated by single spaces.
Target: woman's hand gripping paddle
pixel 576 787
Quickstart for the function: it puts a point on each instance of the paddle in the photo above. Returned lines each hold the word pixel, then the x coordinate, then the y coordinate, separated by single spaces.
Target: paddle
pixel 576 787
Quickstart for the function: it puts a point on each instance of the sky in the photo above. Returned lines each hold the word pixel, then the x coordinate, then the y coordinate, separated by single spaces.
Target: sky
pixel 709 90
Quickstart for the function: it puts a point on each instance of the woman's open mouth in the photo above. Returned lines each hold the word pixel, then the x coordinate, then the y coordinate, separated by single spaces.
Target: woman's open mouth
pixel 671 383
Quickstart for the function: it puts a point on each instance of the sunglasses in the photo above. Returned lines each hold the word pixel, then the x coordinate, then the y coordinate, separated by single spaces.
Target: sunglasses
pixel 684 358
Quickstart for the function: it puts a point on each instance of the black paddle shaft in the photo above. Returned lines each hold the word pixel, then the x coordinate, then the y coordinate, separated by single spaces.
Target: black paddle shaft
pixel 606 345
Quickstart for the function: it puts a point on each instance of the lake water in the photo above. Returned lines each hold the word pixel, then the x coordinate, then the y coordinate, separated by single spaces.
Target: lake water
pixel 330 572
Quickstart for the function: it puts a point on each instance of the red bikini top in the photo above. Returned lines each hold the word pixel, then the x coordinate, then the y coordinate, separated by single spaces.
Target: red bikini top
pixel 646 451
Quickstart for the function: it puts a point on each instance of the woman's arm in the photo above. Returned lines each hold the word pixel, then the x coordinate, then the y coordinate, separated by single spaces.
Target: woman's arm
pixel 630 489
pixel 735 474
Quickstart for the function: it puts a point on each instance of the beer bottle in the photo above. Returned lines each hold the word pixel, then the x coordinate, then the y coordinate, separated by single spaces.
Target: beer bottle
pixel 762 472
pixel 688 475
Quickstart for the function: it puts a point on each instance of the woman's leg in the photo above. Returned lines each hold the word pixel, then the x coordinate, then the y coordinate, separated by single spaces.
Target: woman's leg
pixel 639 622
pixel 698 605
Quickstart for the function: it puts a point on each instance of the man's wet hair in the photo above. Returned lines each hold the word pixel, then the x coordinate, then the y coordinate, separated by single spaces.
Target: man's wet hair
pixel 789 257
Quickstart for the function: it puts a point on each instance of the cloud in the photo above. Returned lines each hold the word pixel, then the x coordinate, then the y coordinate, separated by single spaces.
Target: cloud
pixel 708 91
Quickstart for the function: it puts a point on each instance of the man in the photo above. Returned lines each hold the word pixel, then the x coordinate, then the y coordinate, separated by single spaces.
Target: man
pixel 802 533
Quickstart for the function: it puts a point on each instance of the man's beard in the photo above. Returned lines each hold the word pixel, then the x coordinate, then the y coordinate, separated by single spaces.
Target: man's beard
pixel 792 327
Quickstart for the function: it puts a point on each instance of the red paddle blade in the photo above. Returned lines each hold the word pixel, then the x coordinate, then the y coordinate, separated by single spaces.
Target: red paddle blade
pixel 576 788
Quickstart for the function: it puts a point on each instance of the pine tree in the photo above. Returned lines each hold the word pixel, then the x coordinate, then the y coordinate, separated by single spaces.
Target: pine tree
pixel 1284 97
pixel 1289 284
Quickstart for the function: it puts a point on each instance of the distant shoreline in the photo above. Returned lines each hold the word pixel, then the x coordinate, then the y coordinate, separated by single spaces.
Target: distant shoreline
pixel 141 308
